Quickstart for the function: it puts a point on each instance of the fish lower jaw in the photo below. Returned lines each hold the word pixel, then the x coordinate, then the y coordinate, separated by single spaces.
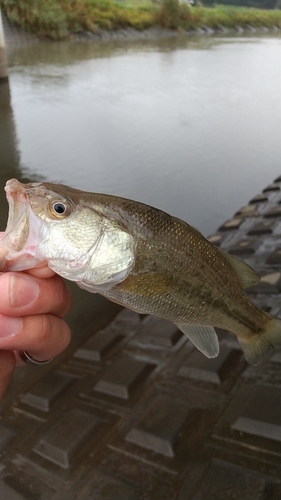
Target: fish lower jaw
pixel 22 263
pixel 22 260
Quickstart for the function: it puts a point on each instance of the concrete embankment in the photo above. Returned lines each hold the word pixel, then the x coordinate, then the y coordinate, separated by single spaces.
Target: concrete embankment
pixel 136 412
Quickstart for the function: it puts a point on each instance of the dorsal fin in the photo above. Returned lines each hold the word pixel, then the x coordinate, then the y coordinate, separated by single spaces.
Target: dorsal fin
pixel 245 273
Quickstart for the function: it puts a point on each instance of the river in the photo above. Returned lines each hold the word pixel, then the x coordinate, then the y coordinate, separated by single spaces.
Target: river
pixel 187 124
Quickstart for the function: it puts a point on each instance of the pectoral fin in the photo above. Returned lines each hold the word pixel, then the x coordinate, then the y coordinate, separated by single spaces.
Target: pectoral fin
pixel 147 284
pixel 203 337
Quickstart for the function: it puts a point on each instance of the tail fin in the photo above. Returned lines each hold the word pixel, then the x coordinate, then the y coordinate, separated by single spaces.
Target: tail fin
pixel 256 348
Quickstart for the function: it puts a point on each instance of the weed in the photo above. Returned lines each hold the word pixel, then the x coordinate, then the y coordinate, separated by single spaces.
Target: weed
pixel 58 19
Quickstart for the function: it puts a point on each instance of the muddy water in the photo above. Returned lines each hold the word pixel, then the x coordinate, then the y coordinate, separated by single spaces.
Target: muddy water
pixel 190 125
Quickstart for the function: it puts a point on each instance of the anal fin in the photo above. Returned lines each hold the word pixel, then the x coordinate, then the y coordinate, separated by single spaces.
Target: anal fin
pixel 203 337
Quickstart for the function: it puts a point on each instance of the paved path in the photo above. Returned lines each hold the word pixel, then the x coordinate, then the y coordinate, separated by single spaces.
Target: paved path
pixel 136 413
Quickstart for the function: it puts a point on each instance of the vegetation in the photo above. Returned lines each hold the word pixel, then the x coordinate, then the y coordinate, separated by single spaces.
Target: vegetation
pixel 59 19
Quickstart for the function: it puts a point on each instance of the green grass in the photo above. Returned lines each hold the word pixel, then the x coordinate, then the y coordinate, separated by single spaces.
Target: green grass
pixel 58 19
pixel 241 16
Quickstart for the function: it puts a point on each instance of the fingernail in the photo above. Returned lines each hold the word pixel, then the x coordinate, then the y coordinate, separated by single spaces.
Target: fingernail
pixel 9 326
pixel 23 290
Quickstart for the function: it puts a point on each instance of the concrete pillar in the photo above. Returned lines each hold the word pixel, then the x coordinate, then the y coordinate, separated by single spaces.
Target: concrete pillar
pixel 3 59
pixel 9 153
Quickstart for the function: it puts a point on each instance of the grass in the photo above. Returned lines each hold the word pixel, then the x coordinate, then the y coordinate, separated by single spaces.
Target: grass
pixel 241 16
pixel 59 19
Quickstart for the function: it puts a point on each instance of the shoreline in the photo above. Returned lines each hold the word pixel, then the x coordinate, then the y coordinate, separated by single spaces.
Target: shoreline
pixel 14 34
pixel 210 26
pixel 152 33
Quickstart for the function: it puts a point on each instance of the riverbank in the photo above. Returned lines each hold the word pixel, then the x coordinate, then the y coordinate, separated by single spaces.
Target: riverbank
pixel 63 19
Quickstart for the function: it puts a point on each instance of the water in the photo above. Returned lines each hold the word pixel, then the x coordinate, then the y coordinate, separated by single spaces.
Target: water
pixel 190 125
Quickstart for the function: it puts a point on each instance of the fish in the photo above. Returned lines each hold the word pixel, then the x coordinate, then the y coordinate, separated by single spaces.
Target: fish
pixel 140 257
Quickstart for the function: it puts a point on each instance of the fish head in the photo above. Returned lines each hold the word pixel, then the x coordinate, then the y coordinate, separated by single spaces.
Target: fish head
pixel 59 225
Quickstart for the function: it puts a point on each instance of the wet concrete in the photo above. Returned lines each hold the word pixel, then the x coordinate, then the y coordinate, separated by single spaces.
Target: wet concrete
pixel 134 411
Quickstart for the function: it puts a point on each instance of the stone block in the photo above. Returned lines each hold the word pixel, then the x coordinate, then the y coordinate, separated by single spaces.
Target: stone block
pixel 213 371
pixel 261 416
pixel 264 227
pixel 158 332
pixel 42 395
pixel 98 346
pixel 160 427
pixel 232 224
pixel 60 443
pixel 120 379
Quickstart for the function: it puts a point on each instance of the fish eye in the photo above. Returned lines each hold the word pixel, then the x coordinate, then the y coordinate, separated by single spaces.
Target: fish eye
pixel 59 209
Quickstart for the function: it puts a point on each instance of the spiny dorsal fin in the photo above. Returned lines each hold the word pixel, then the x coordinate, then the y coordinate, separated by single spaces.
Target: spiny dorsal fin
pixel 246 274
pixel 203 337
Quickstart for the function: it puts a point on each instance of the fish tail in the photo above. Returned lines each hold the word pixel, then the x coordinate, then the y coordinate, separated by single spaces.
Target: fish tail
pixel 258 345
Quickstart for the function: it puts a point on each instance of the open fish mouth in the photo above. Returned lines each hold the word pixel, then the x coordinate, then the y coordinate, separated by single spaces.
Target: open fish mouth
pixel 19 241
pixel 17 229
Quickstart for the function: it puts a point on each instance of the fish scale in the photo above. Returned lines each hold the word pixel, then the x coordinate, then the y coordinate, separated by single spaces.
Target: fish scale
pixel 139 257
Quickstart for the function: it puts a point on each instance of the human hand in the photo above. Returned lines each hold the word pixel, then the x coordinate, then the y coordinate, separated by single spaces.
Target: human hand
pixel 32 306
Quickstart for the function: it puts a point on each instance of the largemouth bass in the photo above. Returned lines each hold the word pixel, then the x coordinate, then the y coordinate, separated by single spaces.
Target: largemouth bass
pixel 139 257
